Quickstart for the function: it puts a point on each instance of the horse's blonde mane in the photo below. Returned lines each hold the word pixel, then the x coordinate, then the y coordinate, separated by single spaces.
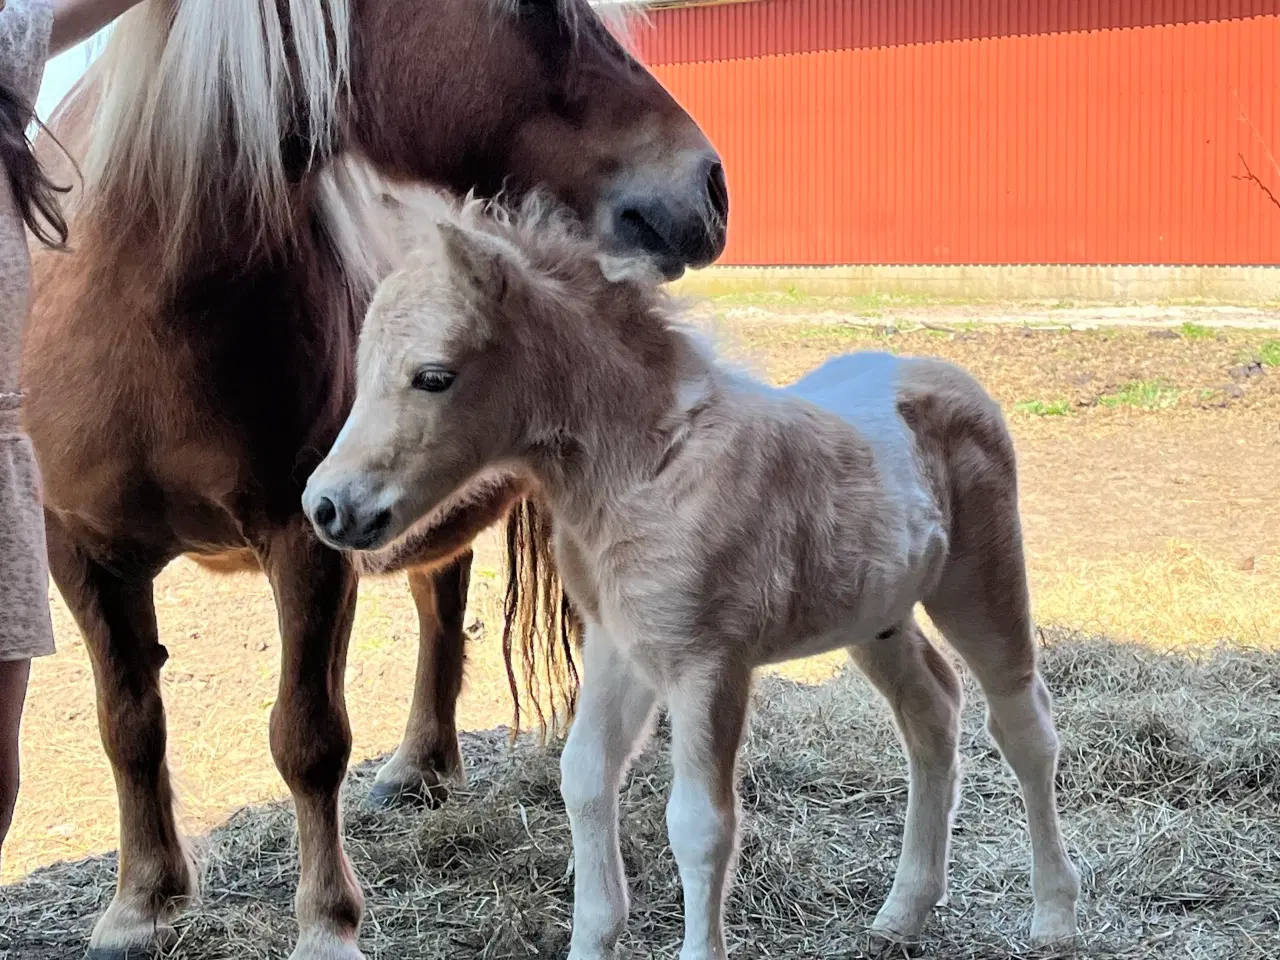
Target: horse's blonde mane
pixel 197 98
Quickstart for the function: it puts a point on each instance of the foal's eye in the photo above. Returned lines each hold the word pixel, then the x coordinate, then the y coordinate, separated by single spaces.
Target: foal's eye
pixel 433 380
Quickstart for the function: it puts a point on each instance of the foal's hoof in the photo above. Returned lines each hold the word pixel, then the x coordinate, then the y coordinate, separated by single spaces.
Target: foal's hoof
pixel 881 946
pixel 1054 929
pixel 898 924
pixel 321 945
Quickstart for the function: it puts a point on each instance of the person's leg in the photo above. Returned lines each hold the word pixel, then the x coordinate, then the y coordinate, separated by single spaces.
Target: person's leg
pixel 13 694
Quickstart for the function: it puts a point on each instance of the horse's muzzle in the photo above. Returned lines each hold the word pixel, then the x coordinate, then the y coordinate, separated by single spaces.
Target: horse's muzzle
pixel 682 225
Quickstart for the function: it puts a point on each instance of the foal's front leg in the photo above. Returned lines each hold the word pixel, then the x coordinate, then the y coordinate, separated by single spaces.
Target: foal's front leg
pixel 613 717
pixel 315 591
pixel 708 711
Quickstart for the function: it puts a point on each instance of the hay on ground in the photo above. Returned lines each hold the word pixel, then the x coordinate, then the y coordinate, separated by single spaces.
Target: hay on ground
pixel 1170 788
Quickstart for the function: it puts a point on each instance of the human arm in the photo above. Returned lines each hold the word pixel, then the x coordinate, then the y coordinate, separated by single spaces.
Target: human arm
pixel 78 20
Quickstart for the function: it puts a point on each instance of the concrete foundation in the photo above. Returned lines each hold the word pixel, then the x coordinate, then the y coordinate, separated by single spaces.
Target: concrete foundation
pixel 1142 284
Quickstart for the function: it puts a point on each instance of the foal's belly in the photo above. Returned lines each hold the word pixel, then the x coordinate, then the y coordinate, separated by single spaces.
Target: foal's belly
pixel 853 631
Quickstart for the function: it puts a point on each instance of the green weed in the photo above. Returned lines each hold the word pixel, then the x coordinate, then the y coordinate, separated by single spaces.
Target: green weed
pixel 1043 408
pixel 1142 395
pixel 1196 331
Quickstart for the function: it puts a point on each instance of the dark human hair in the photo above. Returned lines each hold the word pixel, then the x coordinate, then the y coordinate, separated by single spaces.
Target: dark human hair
pixel 33 192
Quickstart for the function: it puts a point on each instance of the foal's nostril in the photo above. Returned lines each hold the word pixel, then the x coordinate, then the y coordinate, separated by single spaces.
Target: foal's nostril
pixel 718 191
pixel 325 513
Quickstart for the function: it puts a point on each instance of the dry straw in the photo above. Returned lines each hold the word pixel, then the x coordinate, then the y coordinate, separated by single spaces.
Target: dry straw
pixel 1170 787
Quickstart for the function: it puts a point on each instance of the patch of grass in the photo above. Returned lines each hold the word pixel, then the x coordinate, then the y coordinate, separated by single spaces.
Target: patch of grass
pixel 864 304
pixel 833 331
pixel 1196 331
pixel 1270 353
pixel 1043 408
pixel 1062 305
pixel 1180 596
pixel 1142 395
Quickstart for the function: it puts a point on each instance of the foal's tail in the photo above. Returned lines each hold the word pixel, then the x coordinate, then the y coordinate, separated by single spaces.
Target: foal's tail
pixel 541 622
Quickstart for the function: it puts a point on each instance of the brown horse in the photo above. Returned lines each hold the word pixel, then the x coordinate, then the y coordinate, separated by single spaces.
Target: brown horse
pixel 192 361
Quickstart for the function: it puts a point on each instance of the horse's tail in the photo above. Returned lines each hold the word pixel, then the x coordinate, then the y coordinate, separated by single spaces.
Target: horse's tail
pixel 541 628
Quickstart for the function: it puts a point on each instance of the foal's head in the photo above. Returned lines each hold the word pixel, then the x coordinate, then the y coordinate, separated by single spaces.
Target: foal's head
pixel 495 344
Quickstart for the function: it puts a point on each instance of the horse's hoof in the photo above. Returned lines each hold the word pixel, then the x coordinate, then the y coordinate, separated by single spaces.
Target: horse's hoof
pixel 417 793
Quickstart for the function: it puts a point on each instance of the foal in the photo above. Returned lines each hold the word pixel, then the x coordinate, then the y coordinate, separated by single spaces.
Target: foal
pixel 706 525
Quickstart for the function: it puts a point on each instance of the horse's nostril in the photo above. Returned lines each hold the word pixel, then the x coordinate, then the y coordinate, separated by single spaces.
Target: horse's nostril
pixel 326 513
pixel 718 191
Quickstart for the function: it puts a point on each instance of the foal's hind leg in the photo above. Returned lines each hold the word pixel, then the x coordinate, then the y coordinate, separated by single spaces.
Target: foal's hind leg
pixel 983 610
pixel 925 696
pixel 117 618
pixel 315 591
pixel 428 757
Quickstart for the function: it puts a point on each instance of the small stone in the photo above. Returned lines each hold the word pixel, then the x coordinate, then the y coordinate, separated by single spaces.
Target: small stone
pixel 1165 334
pixel 1081 379
pixel 1253 368
pixel 1233 390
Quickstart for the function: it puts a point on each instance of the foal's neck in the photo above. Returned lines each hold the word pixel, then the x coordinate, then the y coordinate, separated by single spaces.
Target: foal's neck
pixel 628 411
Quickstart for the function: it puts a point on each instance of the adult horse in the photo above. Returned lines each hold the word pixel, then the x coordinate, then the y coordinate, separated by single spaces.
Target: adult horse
pixel 191 361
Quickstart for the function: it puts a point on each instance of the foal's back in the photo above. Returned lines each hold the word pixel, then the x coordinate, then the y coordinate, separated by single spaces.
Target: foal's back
pixel 828 504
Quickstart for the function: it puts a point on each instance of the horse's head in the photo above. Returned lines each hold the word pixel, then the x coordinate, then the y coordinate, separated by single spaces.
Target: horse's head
pixel 512 94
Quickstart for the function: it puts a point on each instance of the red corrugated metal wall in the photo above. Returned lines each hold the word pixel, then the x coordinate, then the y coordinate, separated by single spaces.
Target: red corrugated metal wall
pixel 987 131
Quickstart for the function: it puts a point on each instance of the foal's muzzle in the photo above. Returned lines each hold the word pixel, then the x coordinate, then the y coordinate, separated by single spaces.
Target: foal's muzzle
pixel 346 519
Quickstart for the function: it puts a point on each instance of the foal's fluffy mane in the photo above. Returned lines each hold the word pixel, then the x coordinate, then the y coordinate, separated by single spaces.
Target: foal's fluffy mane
pixel 535 231
pixel 552 243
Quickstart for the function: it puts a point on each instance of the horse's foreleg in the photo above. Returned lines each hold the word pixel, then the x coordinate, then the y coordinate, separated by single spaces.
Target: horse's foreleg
pixel 428 758
pixel 315 591
pixel 117 618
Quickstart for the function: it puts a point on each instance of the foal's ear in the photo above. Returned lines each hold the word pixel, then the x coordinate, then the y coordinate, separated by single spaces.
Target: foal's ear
pixel 480 263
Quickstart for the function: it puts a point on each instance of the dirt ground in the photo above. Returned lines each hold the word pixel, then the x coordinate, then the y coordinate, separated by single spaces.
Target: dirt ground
pixel 1149 445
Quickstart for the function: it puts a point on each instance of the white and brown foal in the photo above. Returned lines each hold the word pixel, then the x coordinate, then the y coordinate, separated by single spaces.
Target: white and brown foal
pixel 707 525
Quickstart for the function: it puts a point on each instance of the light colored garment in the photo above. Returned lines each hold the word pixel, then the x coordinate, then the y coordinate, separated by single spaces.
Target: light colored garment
pixel 25 626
